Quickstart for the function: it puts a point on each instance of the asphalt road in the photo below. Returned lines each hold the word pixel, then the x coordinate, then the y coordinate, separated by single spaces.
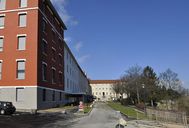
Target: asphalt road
pixel 102 116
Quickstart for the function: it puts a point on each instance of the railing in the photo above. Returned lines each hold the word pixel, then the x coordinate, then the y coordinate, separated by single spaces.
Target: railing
pixel 167 116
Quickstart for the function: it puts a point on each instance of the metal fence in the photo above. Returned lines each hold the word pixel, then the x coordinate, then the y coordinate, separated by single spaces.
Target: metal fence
pixel 167 116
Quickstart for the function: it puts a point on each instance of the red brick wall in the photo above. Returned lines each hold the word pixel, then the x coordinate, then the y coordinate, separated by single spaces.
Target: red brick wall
pixel 10 52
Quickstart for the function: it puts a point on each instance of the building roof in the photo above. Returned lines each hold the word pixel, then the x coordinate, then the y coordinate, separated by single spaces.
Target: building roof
pixel 103 81
pixel 56 14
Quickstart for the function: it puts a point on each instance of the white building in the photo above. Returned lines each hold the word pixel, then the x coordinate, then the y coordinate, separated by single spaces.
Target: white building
pixel 76 82
pixel 103 90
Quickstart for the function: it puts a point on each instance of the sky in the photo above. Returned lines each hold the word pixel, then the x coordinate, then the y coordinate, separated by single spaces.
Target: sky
pixel 107 37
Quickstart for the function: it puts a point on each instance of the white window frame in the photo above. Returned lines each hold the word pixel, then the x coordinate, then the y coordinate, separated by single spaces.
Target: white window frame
pixel 19 60
pixel 1 61
pixel 3 15
pixel 19 23
pixel 2 37
pixel 43 63
pixel 4 7
pixel 20 4
pixel 21 35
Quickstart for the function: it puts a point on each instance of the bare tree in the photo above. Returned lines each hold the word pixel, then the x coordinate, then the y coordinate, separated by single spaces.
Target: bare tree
pixel 171 82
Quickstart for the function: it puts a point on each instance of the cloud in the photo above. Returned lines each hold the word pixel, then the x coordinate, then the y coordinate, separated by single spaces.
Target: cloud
pixel 83 58
pixel 60 6
pixel 68 39
pixel 78 46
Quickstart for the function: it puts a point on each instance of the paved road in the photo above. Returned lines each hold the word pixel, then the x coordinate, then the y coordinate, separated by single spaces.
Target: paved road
pixel 102 116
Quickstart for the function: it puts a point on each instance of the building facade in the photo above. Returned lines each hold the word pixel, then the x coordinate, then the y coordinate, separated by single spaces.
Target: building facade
pixel 33 72
pixel 102 90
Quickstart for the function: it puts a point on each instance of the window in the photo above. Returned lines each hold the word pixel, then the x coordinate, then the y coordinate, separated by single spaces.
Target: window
pixel 60 59
pixel 22 20
pixel 54 35
pixel 44 25
pixel 67 69
pixel 44 46
pixel 21 69
pixel 2 21
pixel 60 78
pixel 20 94
pixel 1 43
pixel 44 71
pixel 2 4
pixel 21 42
pixel 60 43
pixel 67 83
pixel 23 3
pixel 44 7
pixel 60 96
pixel 1 70
pixel 44 94
pixel 53 54
pixel 53 75
pixel 53 96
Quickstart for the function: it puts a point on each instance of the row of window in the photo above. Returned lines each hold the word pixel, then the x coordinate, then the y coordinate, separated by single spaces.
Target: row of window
pixel 21 42
pixel 22 20
pixel 103 88
pixel 45 51
pixel 20 71
pixel 103 93
pixel 54 74
pixel 44 98
pixel 70 85
pixel 22 4
pixel 20 95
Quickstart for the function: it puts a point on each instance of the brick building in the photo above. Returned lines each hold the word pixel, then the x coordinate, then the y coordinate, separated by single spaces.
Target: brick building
pixel 32 55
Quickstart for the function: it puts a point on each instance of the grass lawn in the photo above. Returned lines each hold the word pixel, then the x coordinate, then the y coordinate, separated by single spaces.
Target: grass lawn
pixel 131 112
pixel 87 109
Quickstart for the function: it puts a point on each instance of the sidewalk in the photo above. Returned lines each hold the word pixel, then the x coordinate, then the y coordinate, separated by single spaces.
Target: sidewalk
pixel 58 110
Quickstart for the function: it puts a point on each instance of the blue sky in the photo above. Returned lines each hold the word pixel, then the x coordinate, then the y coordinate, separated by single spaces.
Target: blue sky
pixel 109 36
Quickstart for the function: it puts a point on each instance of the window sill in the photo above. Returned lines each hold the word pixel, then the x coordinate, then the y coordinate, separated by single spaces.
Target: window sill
pixel 2 27
pixel 22 26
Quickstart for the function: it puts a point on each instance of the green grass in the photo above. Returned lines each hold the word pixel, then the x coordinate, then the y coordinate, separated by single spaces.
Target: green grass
pixel 87 109
pixel 131 112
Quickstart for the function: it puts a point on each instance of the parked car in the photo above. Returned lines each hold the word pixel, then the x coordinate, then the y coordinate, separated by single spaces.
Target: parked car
pixel 6 108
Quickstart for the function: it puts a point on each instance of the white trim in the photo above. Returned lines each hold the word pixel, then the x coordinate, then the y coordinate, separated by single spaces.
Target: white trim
pixel 20 59
pixel 57 21
pixel 50 9
pixel 19 35
pixel 2 37
pixel 44 63
pixel 54 49
pixel 53 68
pixel 44 41
pixel 60 54
pixel 60 35
pixel 45 20
pixel 1 61
pixel 20 13
pixel 21 9
pixel 2 15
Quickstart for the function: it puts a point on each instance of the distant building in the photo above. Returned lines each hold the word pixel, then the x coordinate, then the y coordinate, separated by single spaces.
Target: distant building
pixel 37 68
pixel 102 90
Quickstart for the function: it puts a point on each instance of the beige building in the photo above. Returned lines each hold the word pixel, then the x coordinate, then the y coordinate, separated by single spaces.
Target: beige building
pixel 103 90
